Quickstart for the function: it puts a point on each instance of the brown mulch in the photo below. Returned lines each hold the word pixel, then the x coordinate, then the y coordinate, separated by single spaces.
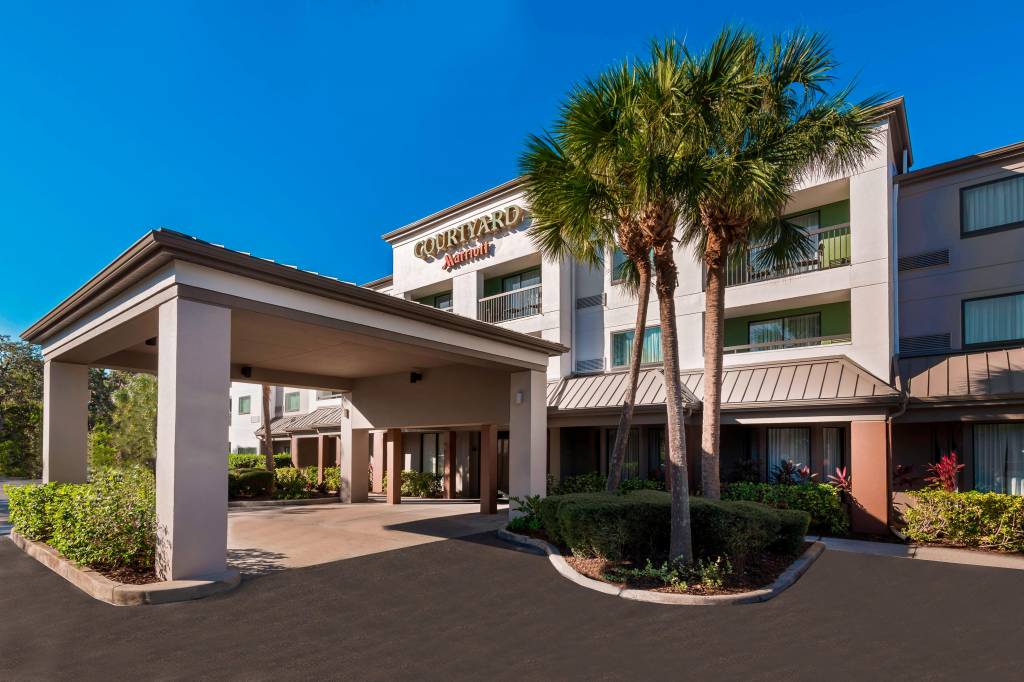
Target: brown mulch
pixel 756 574
pixel 129 576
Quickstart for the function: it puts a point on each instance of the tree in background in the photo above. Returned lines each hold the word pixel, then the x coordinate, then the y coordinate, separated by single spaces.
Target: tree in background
pixel 129 437
pixel 21 408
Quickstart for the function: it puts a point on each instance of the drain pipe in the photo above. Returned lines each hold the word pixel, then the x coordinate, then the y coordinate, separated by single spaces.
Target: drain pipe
pixel 904 401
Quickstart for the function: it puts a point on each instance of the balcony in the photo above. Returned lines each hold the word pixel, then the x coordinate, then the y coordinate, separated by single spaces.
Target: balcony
pixel 510 305
pixel 787 343
pixel 832 250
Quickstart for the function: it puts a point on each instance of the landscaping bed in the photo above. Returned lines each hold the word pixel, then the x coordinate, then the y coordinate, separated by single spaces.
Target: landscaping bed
pixel 622 539
pixel 759 572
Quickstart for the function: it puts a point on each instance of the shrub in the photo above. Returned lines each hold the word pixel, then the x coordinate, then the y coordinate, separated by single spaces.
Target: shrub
pixel 529 507
pixel 291 483
pixel 593 482
pixel 636 526
pixel 421 484
pixel 108 523
pixel 332 479
pixel 249 482
pixel 945 473
pixel 250 461
pixel 822 501
pixel 969 519
pixel 28 509
pixel 640 484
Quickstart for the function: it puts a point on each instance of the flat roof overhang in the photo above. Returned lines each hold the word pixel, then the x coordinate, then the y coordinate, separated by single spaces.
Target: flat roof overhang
pixel 289 326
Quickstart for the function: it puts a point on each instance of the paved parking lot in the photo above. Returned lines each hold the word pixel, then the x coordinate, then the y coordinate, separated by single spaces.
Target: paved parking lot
pixel 478 608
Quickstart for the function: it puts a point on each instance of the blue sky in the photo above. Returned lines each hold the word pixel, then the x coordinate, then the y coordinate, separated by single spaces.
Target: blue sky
pixel 301 131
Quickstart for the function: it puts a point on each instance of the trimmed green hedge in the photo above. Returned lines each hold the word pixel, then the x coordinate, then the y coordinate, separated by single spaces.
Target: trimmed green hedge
pixel 240 461
pixel 249 482
pixel 109 522
pixel 969 519
pixel 821 500
pixel 636 526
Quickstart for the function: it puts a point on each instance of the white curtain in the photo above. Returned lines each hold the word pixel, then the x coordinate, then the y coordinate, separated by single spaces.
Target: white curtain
pixel 994 204
pixel 788 444
pixel 833 438
pixel 988 320
pixel 999 458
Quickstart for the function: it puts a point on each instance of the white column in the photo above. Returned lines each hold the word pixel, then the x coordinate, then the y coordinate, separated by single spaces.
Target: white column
pixel 355 462
pixel 528 422
pixel 65 422
pixel 194 350
pixel 467 288
pixel 558 306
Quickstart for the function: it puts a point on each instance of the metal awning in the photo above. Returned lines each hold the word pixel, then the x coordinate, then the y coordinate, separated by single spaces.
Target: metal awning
pixel 319 419
pixel 794 383
pixel 960 377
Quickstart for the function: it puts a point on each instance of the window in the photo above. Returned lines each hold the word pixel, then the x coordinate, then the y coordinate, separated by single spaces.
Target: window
pixel 992 206
pixel 784 329
pixel 325 395
pixel 622 345
pixel 443 301
pixel 618 260
pixel 993 320
pixel 432 447
pixel 520 280
pixel 245 451
pixel 631 457
pixel 999 458
pixel 788 444
pixel 835 452
pixel 244 404
pixel 292 402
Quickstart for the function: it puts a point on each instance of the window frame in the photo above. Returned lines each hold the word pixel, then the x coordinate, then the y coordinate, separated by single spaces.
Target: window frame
pixel 519 274
pixel 967 234
pixel 297 394
pixel 987 344
pixel 611 348
pixel 248 404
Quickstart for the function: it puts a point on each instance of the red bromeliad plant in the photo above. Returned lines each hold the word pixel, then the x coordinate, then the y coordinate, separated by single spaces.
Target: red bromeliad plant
pixel 842 480
pixel 945 473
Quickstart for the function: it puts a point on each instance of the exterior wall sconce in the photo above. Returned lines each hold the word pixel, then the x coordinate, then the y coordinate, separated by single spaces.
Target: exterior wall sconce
pixel 519 397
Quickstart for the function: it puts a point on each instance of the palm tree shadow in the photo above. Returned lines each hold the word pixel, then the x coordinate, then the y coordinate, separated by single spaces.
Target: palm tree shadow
pixel 252 562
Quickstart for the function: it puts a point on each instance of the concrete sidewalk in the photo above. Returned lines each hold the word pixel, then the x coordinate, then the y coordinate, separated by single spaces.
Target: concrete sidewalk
pixel 949 555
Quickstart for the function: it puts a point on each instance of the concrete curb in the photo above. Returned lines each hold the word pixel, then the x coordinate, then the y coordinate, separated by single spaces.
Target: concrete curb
pixel 100 587
pixel 783 582
pixel 235 504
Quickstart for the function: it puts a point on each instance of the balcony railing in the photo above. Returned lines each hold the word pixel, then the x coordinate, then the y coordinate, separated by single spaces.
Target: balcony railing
pixel 832 250
pixel 788 343
pixel 510 305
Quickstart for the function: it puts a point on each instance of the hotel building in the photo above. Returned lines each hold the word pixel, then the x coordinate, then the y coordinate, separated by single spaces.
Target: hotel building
pixel 898 341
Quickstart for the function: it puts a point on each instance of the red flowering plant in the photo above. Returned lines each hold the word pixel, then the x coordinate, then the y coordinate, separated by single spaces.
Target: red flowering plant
pixel 944 473
pixel 841 480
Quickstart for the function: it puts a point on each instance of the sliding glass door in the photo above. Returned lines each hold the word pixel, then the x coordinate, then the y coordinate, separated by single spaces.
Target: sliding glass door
pixel 999 458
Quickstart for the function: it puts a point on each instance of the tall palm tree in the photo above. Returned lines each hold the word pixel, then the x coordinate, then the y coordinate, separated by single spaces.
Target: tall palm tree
pixel 616 147
pixel 267 443
pixel 756 118
pixel 578 186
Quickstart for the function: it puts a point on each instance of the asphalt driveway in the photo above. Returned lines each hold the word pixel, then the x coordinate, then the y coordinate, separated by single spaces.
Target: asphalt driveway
pixel 478 608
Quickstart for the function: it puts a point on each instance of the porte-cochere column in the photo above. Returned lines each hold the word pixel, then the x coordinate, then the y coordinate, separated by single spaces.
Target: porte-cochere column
pixel 194 357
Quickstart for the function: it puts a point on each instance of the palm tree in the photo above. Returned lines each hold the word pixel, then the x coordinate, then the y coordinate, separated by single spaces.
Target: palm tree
pixel 267 444
pixel 755 120
pixel 578 187
pixel 615 156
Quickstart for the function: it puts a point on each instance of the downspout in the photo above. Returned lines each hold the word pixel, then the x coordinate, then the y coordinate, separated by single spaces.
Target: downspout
pixel 904 401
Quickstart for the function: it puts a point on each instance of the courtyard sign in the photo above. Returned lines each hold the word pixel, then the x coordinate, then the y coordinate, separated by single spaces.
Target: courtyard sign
pixel 469 231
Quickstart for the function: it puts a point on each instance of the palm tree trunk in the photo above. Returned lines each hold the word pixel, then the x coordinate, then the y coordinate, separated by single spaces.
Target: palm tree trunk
pixel 680 542
pixel 714 312
pixel 636 353
pixel 268 438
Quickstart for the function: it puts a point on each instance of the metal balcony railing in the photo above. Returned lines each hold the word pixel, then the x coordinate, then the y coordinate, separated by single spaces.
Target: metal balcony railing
pixel 510 305
pixel 832 251
pixel 788 343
